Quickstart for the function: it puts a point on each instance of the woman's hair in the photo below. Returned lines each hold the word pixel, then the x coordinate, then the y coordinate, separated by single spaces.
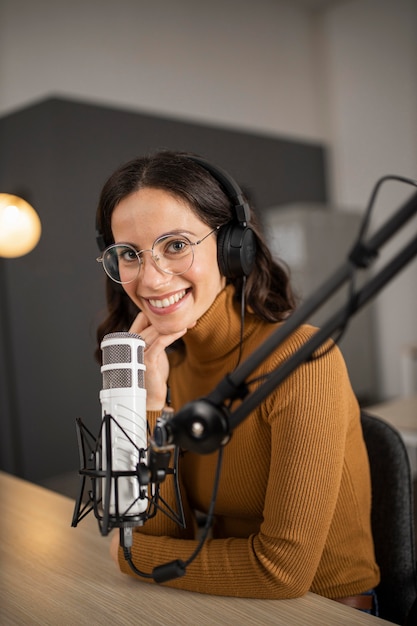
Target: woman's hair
pixel 268 293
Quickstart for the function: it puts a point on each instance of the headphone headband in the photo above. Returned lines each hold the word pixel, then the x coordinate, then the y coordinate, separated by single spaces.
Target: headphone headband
pixel 242 210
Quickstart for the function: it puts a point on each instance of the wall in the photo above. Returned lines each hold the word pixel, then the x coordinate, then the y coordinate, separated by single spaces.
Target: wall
pixel 236 63
pixel 346 76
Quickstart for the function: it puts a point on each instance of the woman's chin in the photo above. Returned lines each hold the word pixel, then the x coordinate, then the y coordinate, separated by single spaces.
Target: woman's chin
pixel 172 329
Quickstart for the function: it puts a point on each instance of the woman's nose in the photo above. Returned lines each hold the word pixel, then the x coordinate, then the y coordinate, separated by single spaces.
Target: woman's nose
pixel 150 273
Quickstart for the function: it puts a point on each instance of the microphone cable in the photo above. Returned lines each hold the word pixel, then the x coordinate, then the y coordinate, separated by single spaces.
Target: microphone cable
pixel 361 257
pixel 242 320
pixel 177 568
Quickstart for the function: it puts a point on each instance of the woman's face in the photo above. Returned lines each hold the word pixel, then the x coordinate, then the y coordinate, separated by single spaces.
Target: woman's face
pixel 171 302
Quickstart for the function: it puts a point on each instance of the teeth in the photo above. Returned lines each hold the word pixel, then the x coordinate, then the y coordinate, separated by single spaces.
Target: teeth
pixel 161 304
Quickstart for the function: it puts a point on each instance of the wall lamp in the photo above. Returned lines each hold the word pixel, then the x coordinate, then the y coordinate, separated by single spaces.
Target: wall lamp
pixel 20 226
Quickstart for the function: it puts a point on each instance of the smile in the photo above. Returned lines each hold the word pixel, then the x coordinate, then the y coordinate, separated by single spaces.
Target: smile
pixel 166 302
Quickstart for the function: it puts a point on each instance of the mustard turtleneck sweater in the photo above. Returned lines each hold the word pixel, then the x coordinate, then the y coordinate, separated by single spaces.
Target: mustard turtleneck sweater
pixel 293 507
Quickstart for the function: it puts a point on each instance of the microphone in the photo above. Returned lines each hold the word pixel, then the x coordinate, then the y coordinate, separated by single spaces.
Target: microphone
pixel 124 431
pixel 124 469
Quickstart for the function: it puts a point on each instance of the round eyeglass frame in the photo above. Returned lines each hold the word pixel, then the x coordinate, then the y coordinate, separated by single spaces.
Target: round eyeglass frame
pixel 139 253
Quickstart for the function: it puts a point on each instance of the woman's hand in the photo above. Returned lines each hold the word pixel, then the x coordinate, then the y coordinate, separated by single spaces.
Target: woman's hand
pixel 156 360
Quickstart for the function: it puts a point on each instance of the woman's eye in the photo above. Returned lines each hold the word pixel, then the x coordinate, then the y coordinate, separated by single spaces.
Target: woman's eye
pixel 127 255
pixel 176 246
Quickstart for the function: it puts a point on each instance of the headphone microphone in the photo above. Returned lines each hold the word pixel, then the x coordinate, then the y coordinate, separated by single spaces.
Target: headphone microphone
pixel 236 241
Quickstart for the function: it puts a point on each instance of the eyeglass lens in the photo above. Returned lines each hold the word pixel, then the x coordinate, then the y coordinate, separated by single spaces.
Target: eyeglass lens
pixel 173 254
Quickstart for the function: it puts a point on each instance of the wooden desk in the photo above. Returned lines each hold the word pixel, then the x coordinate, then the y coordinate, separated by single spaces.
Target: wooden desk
pixel 53 574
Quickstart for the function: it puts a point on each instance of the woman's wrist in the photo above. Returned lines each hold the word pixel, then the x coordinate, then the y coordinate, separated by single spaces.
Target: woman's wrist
pixel 155 404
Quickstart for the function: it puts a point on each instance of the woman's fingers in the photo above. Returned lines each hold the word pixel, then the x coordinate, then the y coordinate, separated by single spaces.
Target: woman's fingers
pixel 139 323
pixel 143 327
pixel 156 360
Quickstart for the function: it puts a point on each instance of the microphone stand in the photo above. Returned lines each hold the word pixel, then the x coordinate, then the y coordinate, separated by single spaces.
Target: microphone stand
pixel 202 426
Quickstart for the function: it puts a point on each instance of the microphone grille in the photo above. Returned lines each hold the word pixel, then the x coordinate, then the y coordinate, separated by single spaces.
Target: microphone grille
pixel 122 378
pixel 122 335
pixel 117 379
pixel 125 349
pixel 121 352
pixel 141 379
pixel 117 353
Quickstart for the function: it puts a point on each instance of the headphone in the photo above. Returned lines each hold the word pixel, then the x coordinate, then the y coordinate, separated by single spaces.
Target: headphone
pixel 236 242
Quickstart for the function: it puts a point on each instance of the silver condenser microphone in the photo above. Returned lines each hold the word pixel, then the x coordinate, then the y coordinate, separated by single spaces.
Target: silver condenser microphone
pixel 124 439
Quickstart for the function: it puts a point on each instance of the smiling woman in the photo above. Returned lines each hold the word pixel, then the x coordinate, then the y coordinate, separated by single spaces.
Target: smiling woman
pixel 188 270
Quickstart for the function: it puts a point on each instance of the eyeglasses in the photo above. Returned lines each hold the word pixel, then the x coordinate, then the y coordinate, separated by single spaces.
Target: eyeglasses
pixel 172 253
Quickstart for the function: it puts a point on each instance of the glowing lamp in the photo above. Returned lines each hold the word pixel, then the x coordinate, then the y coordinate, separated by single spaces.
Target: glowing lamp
pixel 20 226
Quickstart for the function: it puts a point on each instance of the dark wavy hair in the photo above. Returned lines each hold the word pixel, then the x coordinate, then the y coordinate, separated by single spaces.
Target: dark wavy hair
pixel 268 293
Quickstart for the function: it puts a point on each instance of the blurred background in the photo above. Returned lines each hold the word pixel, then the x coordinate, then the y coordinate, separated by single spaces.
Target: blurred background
pixel 306 102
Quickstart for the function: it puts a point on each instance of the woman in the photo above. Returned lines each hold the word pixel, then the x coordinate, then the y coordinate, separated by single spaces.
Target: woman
pixel 293 506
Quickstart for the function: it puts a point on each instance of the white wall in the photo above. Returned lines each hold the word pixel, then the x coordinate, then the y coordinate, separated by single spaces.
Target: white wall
pixel 234 62
pixel 371 65
pixel 346 77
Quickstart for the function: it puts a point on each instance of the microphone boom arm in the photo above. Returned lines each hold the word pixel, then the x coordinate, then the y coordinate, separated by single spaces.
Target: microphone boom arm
pixel 202 426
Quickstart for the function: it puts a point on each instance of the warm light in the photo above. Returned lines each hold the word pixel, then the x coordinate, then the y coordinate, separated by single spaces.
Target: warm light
pixel 20 226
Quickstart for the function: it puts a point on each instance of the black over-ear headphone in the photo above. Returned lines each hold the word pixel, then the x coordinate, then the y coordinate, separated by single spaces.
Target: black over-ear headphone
pixel 236 242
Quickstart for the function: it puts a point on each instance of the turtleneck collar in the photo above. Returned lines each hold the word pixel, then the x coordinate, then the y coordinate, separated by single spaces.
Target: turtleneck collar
pixel 218 330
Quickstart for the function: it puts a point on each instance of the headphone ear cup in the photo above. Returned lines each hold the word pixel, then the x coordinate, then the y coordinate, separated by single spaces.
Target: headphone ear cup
pixel 236 250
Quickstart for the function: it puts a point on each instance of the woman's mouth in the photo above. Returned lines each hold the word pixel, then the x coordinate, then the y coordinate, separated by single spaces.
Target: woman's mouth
pixel 169 301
